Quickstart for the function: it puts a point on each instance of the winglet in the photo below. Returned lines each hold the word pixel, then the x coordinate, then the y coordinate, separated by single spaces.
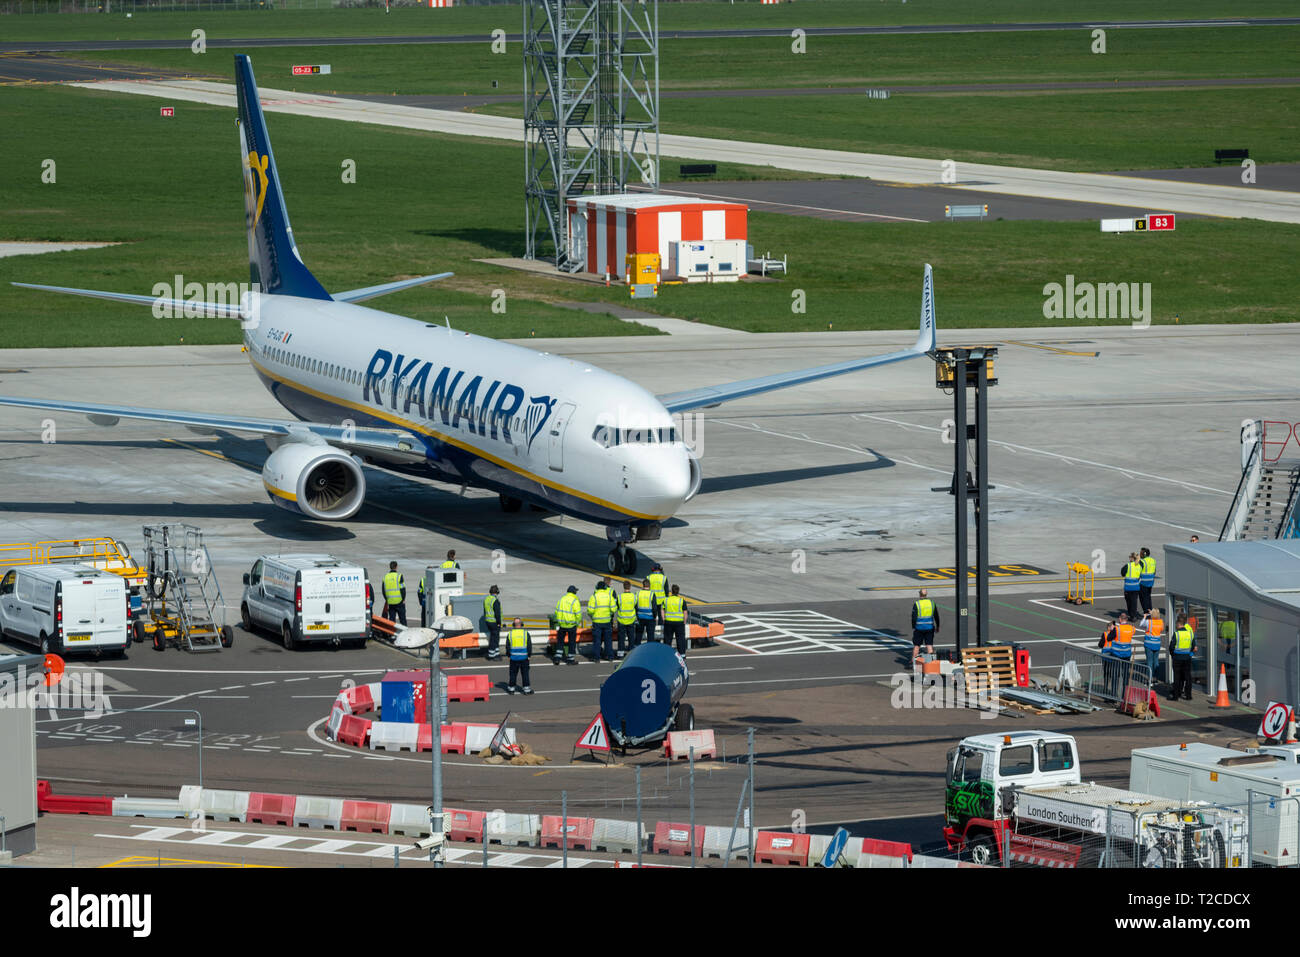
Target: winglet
pixel 925 338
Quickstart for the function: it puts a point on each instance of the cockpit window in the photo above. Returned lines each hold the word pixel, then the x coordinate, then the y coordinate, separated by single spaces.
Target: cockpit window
pixel 607 436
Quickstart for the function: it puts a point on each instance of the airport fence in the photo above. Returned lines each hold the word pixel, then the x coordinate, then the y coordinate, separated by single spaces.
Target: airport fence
pixel 1101 677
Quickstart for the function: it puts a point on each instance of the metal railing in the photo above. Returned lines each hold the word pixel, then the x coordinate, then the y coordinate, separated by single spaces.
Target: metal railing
pixel 1092 674
pixel 1247 486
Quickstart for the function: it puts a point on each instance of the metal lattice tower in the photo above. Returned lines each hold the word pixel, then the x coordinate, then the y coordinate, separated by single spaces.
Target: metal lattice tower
pixel 591 109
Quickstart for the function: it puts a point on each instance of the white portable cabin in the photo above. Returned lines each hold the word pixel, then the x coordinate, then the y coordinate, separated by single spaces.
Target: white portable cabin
pixel 1223 776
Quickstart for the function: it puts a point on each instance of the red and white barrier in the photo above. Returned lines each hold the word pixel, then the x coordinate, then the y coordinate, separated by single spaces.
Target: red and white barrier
pixel 678 745
pixel 318 812
pixel 677 839
pixel 266 808
pixel 576 832
pixel 774 847
pixel 394 736
pixel 873 853
pixel 466 826
pixel 366 817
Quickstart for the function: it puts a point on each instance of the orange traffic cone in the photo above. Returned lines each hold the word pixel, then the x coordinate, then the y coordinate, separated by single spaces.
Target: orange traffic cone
pixel 1221 699
pixel 1290 726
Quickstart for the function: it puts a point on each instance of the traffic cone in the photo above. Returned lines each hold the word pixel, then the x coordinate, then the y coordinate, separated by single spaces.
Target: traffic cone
pixel 1221 700
pixel 1290 727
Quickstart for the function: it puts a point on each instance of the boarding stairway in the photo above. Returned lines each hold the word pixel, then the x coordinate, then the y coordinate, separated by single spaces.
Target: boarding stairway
pixel 184 603
pixel 1264 506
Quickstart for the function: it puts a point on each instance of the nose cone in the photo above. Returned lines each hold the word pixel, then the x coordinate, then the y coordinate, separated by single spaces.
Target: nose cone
pixel 662 481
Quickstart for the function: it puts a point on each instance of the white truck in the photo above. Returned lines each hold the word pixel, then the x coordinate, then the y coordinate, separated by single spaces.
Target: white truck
pixel 1269 779
pixel 308 598
pixel 62 608
pixel 1023 792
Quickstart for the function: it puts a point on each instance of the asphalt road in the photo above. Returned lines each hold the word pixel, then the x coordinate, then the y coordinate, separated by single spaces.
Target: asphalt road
pixel 73 45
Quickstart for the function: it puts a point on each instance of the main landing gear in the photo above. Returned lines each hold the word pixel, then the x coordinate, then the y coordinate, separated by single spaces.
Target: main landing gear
pixel 622 560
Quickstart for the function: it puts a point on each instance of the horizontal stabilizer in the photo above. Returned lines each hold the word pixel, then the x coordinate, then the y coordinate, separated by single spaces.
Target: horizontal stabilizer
pixel 182 307
pixel 383 289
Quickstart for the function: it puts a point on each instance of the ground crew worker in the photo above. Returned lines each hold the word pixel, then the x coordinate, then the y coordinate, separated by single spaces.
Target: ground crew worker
pixel 451 560
pixel 600 607
pixel 1116 645
pixel 659 585
pixel 420 594
pixel 925 624
pixel 1132 573
pixel 1145 583
pixel 1182 646
pixel 1227 636
pixel 492 618
pixel 675 620
pixel 1154 626
pixel 568 615
pixel 519 646
pixel 645 613
pixel 394 594
pixel 626 619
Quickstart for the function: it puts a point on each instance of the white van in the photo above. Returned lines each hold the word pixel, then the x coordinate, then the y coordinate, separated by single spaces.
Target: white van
pixel 307 598
pixel 66 608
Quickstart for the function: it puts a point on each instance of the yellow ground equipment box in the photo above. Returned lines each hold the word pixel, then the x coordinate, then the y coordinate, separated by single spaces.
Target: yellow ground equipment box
pixel 642 269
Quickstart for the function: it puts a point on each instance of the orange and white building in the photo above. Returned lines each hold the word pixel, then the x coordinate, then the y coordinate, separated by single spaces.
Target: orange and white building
pixel 697 240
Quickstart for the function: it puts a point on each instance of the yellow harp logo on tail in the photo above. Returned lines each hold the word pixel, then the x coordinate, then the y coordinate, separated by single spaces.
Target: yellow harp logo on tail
pixel 258 165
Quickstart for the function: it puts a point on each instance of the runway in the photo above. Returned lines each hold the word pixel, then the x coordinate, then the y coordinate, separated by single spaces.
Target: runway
pixel 219 42
pixel 1092 188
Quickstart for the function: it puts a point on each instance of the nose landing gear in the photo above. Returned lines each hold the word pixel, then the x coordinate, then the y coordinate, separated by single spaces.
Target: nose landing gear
pixel 622 560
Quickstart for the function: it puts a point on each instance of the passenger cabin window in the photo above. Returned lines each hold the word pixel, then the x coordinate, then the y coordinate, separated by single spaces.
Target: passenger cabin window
pixel 1016 761
pixel 1055 756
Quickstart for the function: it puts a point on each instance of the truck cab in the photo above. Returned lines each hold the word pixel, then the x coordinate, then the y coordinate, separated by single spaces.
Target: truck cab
pixel 982 766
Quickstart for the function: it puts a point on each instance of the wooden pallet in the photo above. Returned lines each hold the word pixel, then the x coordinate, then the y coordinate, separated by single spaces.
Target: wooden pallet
pixel 988 668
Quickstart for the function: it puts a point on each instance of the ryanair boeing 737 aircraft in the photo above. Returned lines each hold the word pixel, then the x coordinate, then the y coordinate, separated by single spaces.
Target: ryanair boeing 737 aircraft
pixel 370 387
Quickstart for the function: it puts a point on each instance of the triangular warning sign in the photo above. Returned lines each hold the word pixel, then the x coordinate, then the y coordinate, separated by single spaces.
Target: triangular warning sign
pixel 596 737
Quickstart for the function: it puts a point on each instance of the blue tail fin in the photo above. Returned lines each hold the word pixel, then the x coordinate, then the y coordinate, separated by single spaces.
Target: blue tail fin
pixel 273 260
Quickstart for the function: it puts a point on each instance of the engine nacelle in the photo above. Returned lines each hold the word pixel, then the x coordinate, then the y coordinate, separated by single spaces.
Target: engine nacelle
pixel 318 481
pixel 697 477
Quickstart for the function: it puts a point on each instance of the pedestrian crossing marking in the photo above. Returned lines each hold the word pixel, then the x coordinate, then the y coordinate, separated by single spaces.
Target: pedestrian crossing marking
pixel 801 631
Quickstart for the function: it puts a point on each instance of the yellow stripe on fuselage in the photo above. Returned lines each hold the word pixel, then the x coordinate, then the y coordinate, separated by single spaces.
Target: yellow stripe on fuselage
pixel 423 430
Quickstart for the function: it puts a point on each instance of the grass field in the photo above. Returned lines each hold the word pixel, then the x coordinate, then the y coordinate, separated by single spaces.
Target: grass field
pixel 1083 132
pixel 759 63
pixel 313 22
pixel 424 202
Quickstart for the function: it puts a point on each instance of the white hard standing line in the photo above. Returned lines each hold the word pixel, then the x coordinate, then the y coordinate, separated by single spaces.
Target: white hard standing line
pixel 1102 188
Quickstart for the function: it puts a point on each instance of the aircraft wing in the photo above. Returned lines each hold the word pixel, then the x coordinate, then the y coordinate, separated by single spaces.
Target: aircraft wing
pixel 389 444
pixel 709 396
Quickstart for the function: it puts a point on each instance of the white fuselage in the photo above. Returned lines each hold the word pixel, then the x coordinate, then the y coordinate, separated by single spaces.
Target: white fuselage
pixel 542 428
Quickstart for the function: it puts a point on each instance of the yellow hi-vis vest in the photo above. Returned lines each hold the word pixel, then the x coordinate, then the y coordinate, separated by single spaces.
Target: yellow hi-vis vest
pixel 568 610
pixel 674 608
pixel 518 643
pixel 645 604
pixel 449 564
pixel 600 606
pixel 1183 638
pixel 657 582
pixel 393 585
pixel 489 609
pixel 924 614
pixel 626 608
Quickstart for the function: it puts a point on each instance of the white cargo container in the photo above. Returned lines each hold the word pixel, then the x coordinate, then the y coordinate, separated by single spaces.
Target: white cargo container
pixel 1223 776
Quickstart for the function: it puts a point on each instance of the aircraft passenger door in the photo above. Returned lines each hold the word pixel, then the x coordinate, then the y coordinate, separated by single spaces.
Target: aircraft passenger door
pixel 558 426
